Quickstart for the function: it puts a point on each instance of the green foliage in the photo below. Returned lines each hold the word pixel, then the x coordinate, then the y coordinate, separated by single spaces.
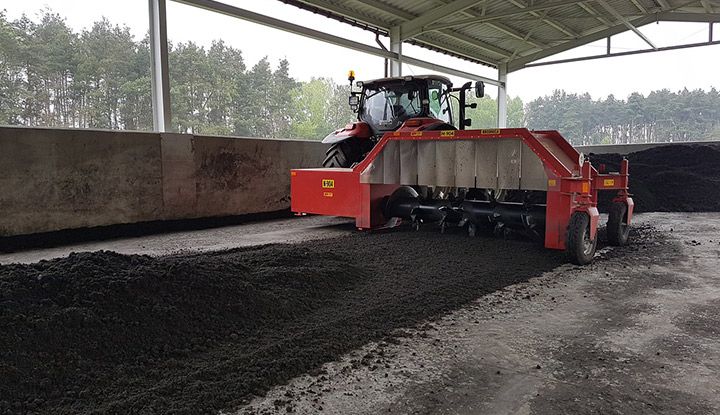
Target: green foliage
pixel 10 72
pixel 660 117
pixel 100 78
pixel 486 113
pixel 319 107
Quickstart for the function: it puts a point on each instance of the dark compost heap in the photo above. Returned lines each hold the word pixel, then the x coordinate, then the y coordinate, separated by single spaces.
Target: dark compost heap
pixel 108 333
pixel 672 178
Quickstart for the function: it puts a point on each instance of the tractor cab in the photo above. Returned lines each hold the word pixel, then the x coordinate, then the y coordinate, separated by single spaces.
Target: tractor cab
pixel 387 104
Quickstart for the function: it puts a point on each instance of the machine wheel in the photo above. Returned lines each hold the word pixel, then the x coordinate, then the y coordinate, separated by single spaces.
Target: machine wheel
pixel 344 153
pixel 618 230
pixel 579 247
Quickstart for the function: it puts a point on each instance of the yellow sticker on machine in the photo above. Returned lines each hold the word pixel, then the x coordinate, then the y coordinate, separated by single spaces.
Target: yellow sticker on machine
pixel 491 131
pixel 328 194
pixel 609 182
pixel 328 183
pixel 416 134
pixel 552 183
pixel 586 187
pixel 447 133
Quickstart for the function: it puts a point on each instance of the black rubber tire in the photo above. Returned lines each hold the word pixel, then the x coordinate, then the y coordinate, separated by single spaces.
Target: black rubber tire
pixel 344 154
pixel 618 230
pixel 579 247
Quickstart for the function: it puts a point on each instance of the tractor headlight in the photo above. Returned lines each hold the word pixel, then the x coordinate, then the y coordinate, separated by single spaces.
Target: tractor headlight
pixel 354 102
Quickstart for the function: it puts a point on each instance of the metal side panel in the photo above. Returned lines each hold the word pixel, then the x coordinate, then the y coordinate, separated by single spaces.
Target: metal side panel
pixel 408 162
pixel 509 161
pixel 556 151
pixel 465 163
pixel 374 172
pixel 426 163
pixel 445 163
pixel 486 158
pixel 391 163
pixel 532 174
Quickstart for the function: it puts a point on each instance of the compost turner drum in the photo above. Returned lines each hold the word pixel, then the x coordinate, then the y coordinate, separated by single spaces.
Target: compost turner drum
pixel 498 180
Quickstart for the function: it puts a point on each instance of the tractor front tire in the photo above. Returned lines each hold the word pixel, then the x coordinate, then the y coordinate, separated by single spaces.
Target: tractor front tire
pixel 618 230
pixel 579 247
pixel 343 154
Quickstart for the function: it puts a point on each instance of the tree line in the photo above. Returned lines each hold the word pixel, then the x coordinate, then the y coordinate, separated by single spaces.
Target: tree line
pixel 99 77
pixel 660 116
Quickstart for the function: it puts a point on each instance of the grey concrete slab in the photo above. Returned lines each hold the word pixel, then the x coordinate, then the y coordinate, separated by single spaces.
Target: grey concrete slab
pixel 294 230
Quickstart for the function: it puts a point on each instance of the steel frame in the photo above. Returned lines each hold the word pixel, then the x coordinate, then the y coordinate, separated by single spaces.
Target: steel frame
pixel 628 53
pixel 162 116
pixel 413 27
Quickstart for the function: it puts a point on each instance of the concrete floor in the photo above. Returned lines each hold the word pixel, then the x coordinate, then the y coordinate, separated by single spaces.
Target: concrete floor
pixel 214 239
pixel 636 332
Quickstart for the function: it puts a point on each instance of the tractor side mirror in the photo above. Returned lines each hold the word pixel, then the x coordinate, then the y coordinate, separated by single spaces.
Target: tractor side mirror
pixel 354 102
pixel 479 89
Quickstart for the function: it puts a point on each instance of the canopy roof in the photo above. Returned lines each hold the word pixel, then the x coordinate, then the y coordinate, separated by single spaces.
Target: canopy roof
pixel 511 32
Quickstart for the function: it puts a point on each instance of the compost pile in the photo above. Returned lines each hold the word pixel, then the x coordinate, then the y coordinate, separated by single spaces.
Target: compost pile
pixel 108 333
pixel 672 178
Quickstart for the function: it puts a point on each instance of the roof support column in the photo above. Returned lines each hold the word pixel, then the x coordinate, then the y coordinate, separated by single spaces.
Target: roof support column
pixel 502 96
pixel 710 32
pixel 396 47
pixel 159 61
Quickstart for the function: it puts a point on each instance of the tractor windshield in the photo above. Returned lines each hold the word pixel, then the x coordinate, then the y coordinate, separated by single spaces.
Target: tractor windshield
pixel 386 107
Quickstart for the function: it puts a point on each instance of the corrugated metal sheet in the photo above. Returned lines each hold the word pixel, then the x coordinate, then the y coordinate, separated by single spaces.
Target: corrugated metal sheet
pixel 520 34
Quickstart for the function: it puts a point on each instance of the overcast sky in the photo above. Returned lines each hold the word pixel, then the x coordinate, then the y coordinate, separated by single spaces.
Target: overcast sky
pixel 689 68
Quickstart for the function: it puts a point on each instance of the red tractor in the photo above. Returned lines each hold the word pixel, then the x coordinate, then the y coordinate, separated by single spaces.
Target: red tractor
pixel 405 160
pixel 383 105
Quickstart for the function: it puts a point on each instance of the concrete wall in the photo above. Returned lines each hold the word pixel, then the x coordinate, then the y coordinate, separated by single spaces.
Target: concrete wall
pixel 53 179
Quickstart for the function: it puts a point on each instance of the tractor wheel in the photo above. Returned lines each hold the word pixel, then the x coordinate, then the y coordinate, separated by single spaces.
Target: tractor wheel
pixel 618 230
pixel 579 247
pixel 344 154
